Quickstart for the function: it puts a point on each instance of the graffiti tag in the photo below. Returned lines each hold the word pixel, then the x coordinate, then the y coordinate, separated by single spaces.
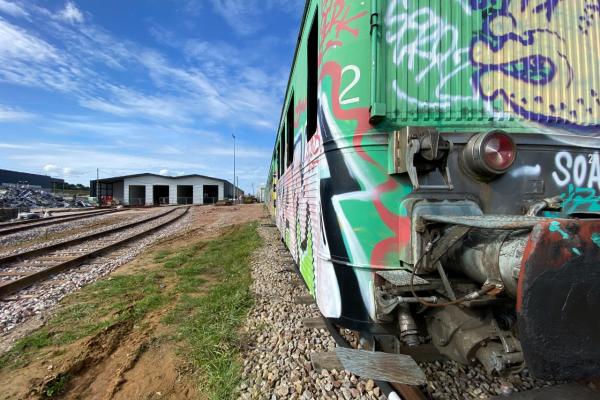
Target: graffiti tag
pixel 581 170
pixel 540 58
pixel 428 46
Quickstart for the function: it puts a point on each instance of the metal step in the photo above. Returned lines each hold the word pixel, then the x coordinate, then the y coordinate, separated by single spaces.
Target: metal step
pixel 401 277
pixel 381 366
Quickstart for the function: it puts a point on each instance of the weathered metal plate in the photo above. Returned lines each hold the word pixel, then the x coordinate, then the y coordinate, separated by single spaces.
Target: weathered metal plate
pixel 400 277
pixel 381 366
pixel 560 392
pixel 558 299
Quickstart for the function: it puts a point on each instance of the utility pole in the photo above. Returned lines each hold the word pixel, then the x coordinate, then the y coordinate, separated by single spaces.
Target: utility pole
pixel 234 185
pixel 98 185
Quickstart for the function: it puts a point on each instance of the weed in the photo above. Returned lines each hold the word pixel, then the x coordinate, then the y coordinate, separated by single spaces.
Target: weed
pixel 56 386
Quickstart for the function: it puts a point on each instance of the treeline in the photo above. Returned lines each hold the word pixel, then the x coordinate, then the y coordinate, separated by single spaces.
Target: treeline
pixel 72 186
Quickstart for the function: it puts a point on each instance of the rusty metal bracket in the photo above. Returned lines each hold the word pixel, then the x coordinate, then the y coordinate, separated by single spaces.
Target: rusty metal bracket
pixel 418 149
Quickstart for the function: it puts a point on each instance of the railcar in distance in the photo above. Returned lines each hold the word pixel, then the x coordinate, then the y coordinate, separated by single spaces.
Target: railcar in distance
pixel 436 177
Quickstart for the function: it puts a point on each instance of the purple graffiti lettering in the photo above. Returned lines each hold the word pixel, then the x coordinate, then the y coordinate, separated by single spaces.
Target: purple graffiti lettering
pixel 520 59
pixel 548 5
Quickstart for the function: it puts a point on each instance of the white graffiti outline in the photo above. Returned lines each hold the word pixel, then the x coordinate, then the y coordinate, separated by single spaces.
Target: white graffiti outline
pixel 431 30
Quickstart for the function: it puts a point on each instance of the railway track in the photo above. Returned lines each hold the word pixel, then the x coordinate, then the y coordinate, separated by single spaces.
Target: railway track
pixel 18 271
pixel 7 228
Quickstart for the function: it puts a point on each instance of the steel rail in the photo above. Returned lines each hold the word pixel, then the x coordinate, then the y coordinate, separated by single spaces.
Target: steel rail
pixel 12 227
pixel 56 246
pixel 28 280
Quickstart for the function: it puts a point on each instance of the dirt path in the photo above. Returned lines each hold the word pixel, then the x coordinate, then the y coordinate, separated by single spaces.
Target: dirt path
pixel 126 359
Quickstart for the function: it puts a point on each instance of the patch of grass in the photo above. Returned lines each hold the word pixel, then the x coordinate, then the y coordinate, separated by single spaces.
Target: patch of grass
pixel 209 324
pixel 208 295
pixel 87 312
pixel 161 255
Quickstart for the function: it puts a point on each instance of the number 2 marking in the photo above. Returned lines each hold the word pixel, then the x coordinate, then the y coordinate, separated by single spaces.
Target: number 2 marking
pixel 356 71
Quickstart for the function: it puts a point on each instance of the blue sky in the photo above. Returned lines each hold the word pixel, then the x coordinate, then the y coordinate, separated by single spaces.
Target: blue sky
pixel 143 86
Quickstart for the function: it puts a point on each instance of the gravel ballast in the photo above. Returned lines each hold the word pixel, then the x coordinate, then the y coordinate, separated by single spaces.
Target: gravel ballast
pixel 76 226
pixel 277 362
pixel 277 357
pixel 36 300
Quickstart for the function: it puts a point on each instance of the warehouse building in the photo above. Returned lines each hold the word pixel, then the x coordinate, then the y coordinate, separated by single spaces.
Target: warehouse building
pixel 154 189
pixel 13 178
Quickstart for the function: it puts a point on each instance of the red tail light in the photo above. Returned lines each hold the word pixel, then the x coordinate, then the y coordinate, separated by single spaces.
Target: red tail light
pixel 489 154
pixel 499 151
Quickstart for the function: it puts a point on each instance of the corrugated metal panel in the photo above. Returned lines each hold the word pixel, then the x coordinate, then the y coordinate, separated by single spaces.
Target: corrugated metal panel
pixel 513 61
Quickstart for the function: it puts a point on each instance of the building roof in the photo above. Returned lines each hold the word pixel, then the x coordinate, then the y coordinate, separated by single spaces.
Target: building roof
pixel 123 177
pixel 8 176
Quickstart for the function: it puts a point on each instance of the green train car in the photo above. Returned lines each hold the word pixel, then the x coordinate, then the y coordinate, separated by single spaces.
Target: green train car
pixel 436 177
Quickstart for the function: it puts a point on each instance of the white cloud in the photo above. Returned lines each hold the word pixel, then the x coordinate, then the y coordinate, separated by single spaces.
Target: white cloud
pixel 59 157
pixel 65 172
pixel 12 146
pixel 215 86
pixel 12 114
pixel 241 15
pixel 71 13
pixel 103 105
pixel 50 168
pixel 27 60
pixel 13 9
pixel 163 172
pixel 128 102
pixel 18 45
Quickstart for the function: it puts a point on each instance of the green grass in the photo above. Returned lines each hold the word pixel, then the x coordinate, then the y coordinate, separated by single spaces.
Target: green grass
pixel 57 386
pixel 207 288
pixel 209 323
pixel 87 312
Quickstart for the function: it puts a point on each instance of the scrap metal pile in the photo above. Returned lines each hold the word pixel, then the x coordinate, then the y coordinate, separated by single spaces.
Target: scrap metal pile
pixel 25 198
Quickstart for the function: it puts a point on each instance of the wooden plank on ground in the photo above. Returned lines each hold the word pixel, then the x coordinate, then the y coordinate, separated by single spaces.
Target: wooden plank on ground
pixel 314 323
pixel 306 299
pixel 327 360
pixel 408 392
pixel 381 366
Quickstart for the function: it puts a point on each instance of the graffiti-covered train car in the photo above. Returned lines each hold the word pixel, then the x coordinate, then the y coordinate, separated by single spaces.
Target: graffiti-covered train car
pixel 436 176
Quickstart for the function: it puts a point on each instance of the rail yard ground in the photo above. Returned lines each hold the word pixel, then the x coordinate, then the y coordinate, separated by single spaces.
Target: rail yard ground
pixel 206 308
pixel 162 325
